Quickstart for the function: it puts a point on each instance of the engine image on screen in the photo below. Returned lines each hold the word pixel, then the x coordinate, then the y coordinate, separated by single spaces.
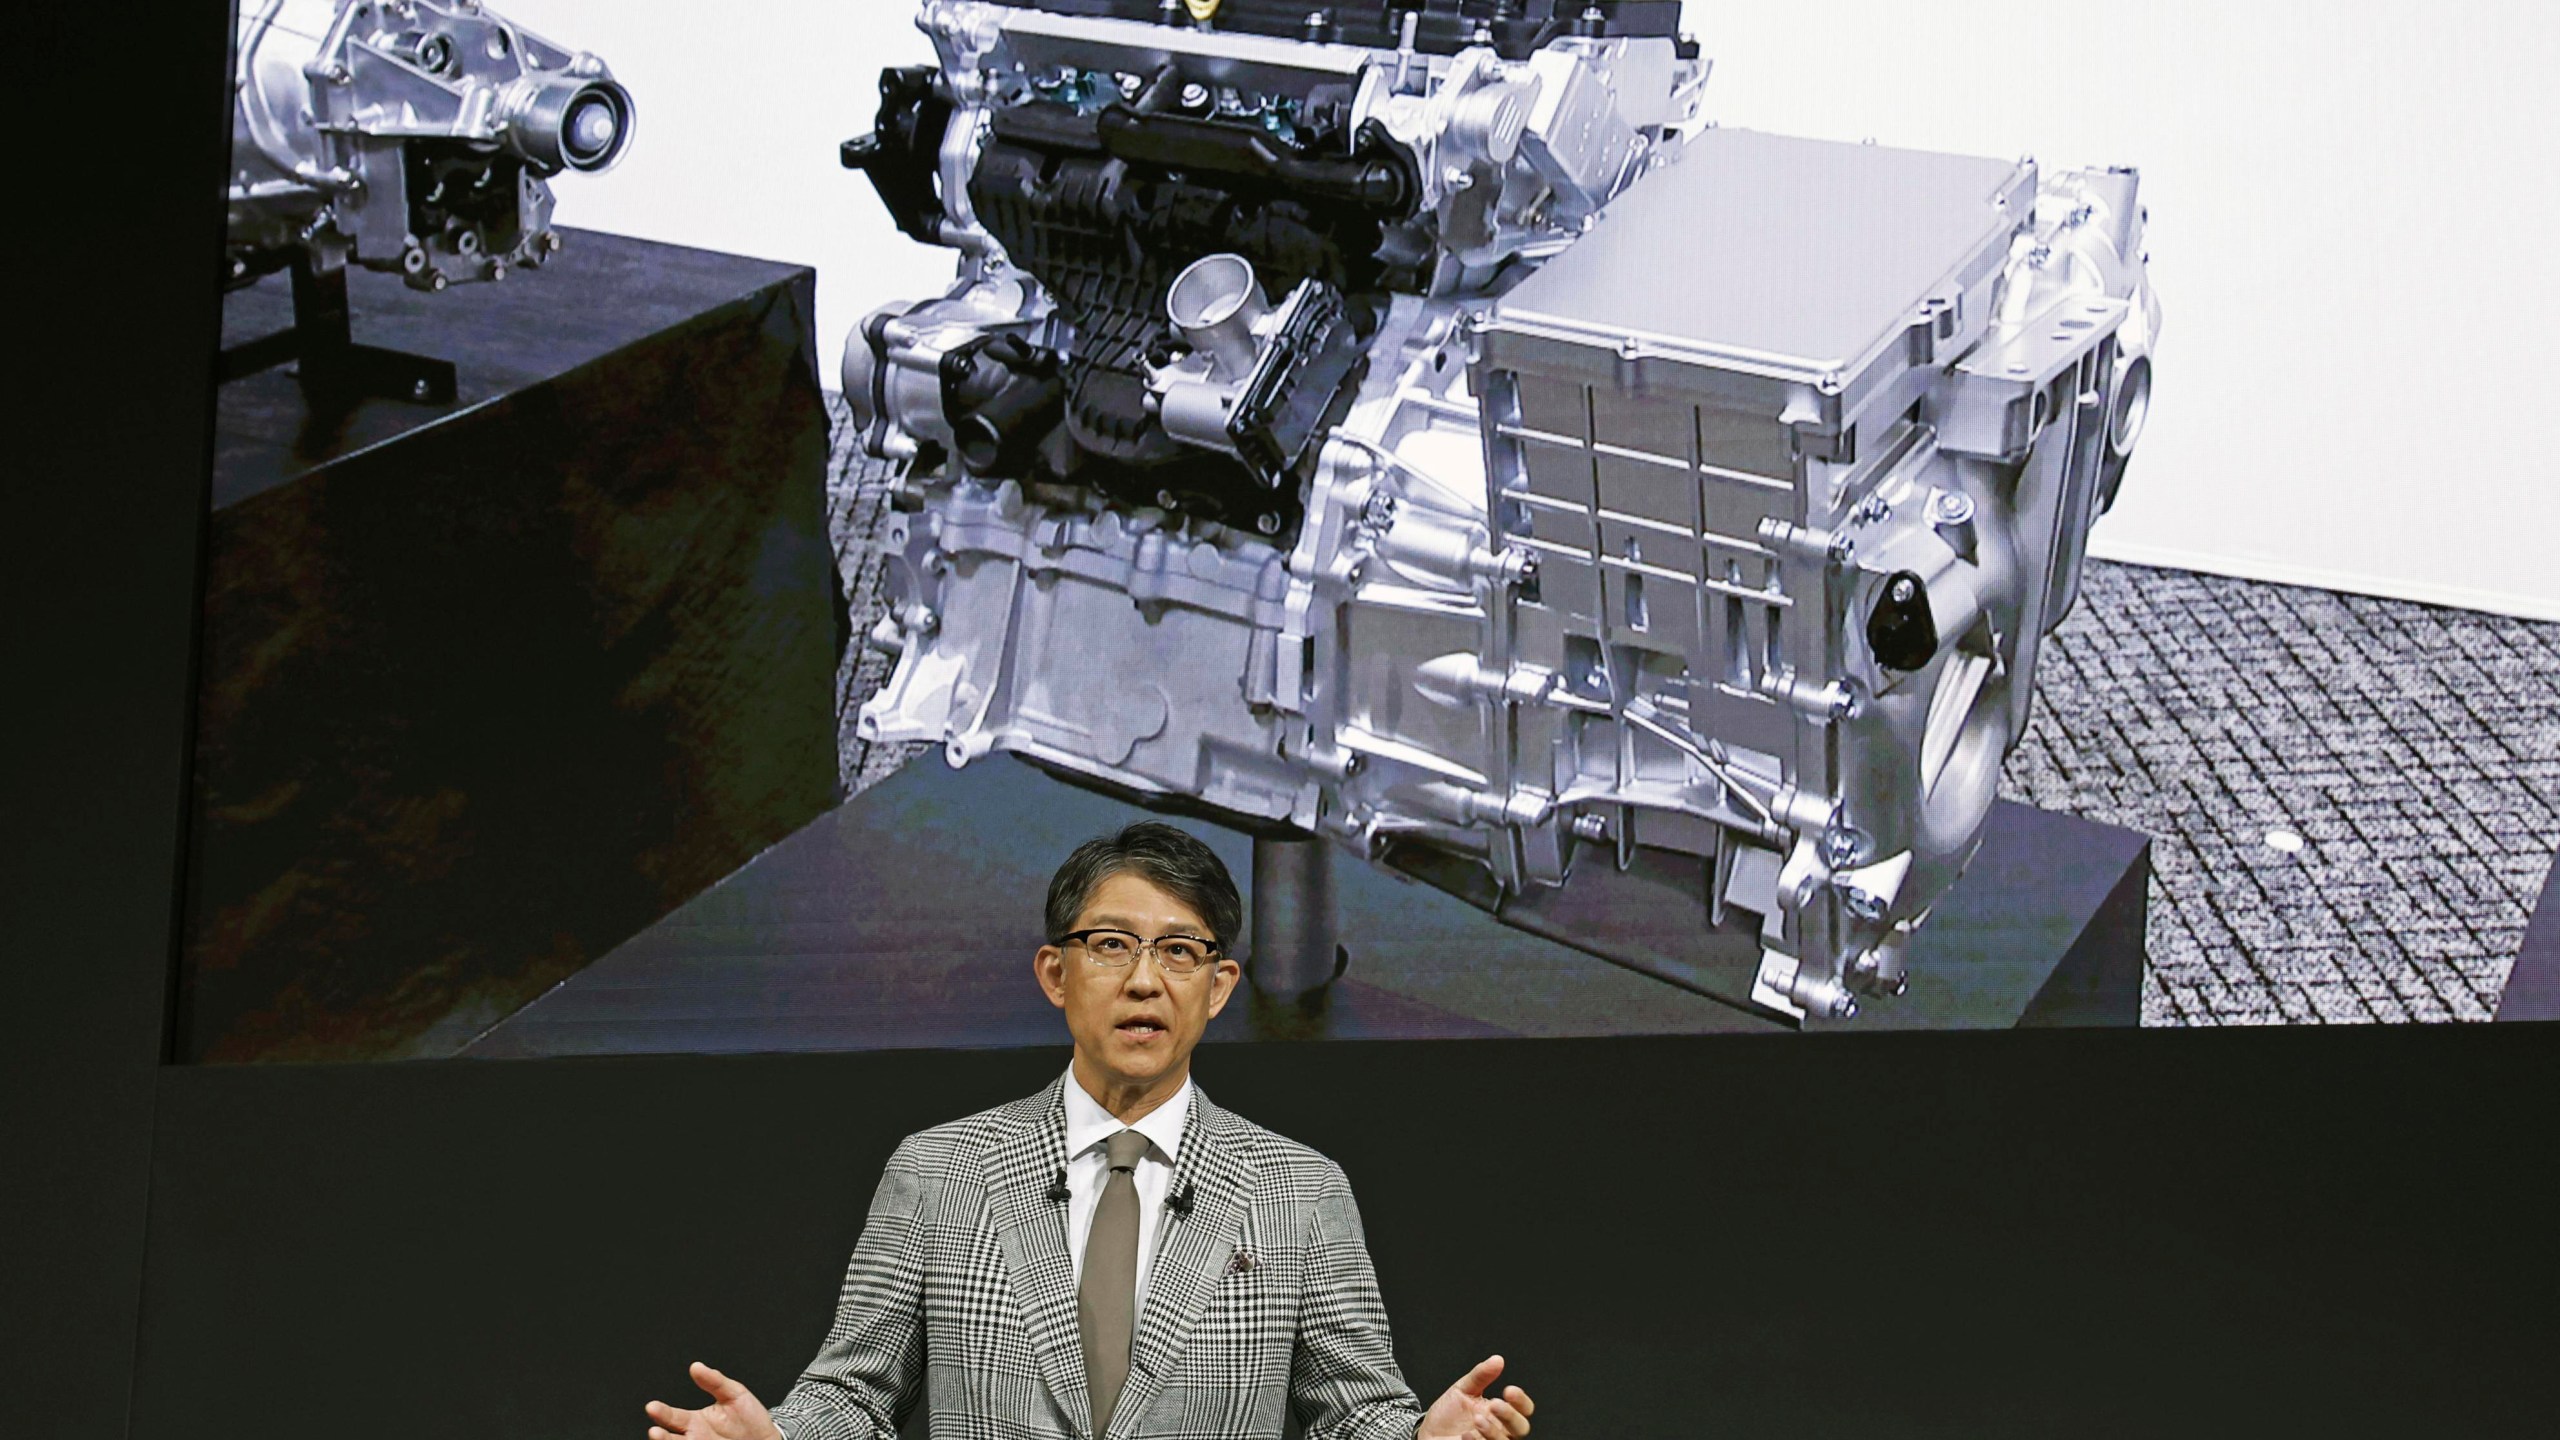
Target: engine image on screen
pixel 1412 425
pixel 411 136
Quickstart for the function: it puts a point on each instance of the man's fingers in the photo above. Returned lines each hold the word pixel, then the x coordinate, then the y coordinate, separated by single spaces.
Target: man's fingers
pixel 1519 1399
pixel 1514 1423
pixel 675 1420
pixel 1486 1372
pixel 716 1385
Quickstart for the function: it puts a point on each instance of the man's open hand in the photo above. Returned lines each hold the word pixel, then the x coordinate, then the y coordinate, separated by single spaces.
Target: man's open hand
pixel 733 1414
pixel 1465 1412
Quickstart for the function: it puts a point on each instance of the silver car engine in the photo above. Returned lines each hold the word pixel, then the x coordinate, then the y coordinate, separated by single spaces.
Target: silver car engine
pixel 412 136
pixel 1411 425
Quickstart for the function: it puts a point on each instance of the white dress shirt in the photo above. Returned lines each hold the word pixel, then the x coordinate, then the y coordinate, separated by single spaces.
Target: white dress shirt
pixel 1088 1126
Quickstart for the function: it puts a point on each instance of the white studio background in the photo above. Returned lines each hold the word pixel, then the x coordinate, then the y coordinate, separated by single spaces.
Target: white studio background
pixel 2354 228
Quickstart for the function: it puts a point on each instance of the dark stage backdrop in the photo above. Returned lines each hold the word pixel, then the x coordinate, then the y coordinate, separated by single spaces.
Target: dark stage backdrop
pixel 2269 1233
pixel 112 307
pixel 2036 1234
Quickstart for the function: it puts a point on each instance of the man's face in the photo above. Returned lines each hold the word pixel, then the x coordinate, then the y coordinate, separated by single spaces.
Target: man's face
pixel 1135 1025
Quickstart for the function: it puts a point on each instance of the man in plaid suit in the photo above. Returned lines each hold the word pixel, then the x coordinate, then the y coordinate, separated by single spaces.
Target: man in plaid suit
pixel 993 1281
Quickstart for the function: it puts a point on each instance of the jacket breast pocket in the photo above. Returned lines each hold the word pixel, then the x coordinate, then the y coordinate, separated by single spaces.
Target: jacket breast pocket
pixel 1247 1333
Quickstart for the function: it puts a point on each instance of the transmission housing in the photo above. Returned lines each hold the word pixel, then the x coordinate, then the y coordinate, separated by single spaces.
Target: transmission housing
pixel 411 136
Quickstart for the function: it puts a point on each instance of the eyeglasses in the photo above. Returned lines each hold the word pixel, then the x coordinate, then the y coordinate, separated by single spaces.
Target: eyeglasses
pixel 1118 949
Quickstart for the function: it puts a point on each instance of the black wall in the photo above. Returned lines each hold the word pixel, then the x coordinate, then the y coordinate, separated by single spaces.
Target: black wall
pixel 115 230
pixel 2091 1233
pixel 2274 1232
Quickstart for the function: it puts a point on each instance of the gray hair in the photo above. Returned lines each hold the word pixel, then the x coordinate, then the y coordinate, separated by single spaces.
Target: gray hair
pixel 1172 860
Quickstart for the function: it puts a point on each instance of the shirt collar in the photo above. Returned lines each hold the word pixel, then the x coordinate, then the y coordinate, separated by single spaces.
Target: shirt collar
pixel 1088 1124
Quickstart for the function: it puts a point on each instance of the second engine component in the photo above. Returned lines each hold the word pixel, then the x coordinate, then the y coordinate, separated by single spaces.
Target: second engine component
pixel 413 136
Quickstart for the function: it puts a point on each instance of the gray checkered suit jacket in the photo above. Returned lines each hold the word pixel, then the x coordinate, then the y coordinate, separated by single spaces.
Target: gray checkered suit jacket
pixel 961 1296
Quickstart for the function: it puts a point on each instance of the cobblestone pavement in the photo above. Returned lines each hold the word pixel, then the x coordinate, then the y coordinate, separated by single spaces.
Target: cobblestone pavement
pixel 2413 752
pixel 857 496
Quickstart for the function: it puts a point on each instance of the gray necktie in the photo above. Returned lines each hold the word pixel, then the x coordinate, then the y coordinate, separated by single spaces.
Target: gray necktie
pixel 1107 1296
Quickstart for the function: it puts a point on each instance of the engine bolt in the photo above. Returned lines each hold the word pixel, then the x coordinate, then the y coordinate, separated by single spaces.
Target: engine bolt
pixel 1195 96
pixel 1904 590
pixel 1951 508
pixel 1591 828
pixel 1268 524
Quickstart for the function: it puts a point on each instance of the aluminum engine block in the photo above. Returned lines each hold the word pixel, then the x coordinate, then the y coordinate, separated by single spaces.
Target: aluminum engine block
pixel 1611 502
pixel 412 136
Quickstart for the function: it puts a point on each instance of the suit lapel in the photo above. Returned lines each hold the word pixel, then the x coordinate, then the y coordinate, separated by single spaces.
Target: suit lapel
pixel 1192 1252
pixel 1032 1229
